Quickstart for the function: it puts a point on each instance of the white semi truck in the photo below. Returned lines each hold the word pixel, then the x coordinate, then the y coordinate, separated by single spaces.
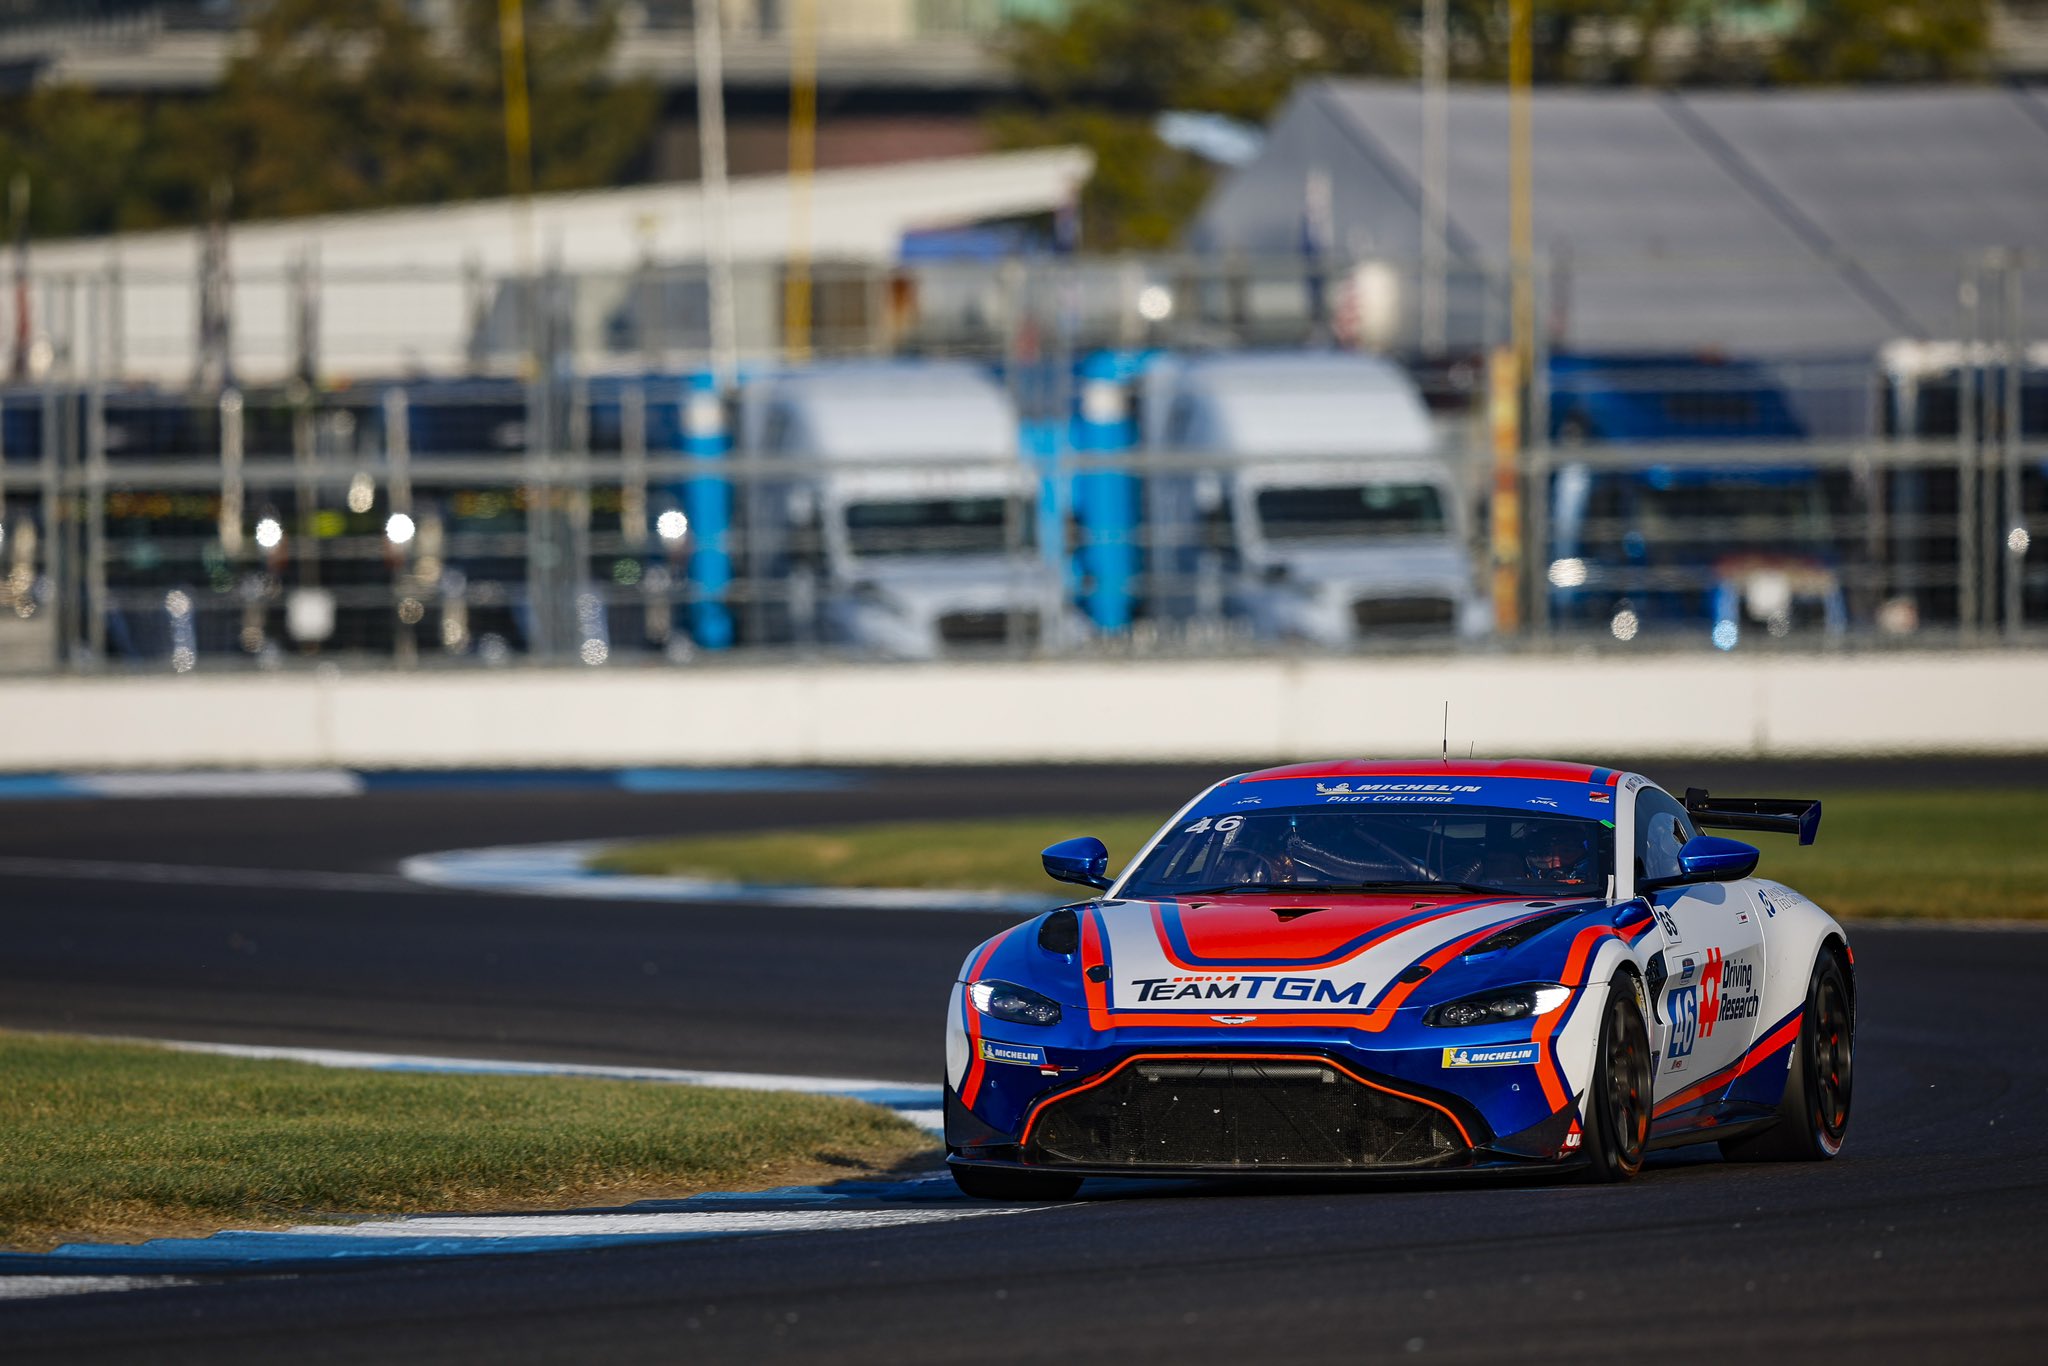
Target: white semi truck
pixel 901 505
pixel 1314 506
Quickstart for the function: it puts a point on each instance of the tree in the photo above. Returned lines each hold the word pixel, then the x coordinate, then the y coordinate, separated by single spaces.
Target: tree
pixel 1886 40
pixel 333 105
pixel 78 152
pixel 1102 73
pixel 342 104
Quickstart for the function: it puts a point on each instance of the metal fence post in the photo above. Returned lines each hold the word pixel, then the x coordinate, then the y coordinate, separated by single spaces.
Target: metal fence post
pixel 2013 564
pixel 398 495
pixel 96 526
pixel 633 467
pixel 1991 330
pixel 1536 451
pixel 232 494
pixel 59 518
pixel 1966 455
pixel 540 540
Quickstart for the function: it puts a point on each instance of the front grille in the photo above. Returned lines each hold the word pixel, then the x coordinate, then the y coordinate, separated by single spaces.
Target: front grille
pixel 988 628
pixel 1240 1114
pixel 1403 614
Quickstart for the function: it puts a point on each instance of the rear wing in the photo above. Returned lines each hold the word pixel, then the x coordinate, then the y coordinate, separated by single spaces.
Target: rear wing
pixel 1783 815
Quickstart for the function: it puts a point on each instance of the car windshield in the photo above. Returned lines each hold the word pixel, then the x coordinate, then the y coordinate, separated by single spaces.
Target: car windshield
pixel 1351 512
pixel 1393 848
pixel 1735 513
pixel 937 526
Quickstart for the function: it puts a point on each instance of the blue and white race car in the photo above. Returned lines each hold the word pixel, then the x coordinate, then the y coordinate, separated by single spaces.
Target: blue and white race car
pixel 1402 967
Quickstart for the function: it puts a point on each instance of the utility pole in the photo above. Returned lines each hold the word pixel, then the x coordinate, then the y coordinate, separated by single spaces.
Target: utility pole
pixel 24 328
pixel 1435 170
pixel 803 156
pixel 712 188
pixel 1521 218
pixel 519 159
pixel 1513 369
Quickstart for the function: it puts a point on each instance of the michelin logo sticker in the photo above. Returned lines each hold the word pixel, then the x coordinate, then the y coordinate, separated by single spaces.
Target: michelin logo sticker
pixel 1491 1055
pixel 1024 1055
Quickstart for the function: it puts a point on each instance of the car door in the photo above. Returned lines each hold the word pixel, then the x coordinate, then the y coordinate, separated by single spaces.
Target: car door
pixel 1714 958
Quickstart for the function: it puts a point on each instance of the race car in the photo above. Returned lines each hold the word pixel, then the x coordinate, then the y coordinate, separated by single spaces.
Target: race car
pixel 1393 968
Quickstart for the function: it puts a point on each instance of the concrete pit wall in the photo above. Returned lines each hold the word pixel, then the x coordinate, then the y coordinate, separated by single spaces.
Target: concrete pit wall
pixel 1253 711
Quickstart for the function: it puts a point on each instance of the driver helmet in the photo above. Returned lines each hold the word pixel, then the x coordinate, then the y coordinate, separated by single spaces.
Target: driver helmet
pixel 1260 851
pixel 1559 854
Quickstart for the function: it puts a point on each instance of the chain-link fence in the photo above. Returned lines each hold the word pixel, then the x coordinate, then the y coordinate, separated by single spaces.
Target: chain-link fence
pixel 1026 457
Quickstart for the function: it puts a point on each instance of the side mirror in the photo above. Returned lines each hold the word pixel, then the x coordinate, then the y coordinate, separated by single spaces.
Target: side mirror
pixel 1084 860
pixel 1709 858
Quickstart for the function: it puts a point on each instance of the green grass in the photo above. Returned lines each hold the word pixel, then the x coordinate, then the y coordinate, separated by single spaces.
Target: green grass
pixel 1940 854
pixel 124 1141
pixel 991 855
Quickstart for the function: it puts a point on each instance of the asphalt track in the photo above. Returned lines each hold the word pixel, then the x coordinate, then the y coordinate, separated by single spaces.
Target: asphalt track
pixel 280 922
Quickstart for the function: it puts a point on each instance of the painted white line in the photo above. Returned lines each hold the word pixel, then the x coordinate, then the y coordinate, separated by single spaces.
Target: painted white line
pixel 560 870
pixel 673 1224
pixel 1861 924
pixel 859 1088
pixel 332 782
pixel 94 870
pixel 42 1287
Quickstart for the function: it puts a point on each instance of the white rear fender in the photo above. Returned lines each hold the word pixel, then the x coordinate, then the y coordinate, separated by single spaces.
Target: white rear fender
pixel 1795 929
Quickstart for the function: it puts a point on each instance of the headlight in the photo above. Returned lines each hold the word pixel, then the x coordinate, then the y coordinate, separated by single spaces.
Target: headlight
pixel 1013 1004
pixel 1516 1003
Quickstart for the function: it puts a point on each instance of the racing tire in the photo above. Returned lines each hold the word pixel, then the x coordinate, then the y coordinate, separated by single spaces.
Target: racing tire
pixel 1617 1101
pixel 1813 1117
pixel 1001 1183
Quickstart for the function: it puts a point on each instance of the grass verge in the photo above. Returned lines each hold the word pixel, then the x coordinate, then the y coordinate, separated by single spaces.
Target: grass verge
pixel 122 1141
pixel 982 855
pixel 1962 855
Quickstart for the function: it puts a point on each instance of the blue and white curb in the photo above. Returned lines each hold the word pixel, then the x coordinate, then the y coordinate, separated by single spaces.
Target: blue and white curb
pixel 342 782
pixel 562 870
pixel 846 1206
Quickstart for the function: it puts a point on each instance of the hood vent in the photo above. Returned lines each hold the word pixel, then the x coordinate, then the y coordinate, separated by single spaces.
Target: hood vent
pixel 1522 933
pixel 1060 932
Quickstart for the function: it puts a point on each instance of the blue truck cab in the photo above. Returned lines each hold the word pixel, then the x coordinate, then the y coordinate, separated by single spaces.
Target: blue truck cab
pixel 1678 543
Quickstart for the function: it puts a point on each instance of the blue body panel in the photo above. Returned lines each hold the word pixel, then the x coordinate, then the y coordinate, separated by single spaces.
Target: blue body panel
pixel 1667 398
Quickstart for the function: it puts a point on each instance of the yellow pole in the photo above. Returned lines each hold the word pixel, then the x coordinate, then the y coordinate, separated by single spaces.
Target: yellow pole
pixel 518 113
pixel 519 158
pixel 1504 419
pixel 1513 370
pixel 803 156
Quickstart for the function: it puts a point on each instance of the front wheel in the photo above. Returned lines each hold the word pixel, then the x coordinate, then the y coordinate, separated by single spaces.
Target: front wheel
pixel 1813 1117
pixel 1617 1104
pixel 1003 1183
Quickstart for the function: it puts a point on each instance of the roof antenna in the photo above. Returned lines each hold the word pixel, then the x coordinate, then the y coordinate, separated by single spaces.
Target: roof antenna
pixel 1447 730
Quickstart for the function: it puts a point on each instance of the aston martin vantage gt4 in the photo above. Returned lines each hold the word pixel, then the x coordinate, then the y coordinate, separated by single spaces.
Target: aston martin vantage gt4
pixel 1365 968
